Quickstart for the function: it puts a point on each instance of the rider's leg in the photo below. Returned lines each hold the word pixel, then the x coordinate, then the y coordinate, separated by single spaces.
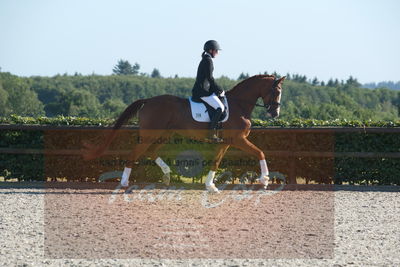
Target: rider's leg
pixel 214 102
pixel 213 125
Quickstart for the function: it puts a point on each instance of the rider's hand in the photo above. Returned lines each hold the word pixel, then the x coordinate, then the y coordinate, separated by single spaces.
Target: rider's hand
pixel 222 94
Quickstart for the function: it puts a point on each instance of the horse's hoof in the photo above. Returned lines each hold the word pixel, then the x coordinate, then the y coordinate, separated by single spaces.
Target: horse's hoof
pixel 212 189
pixel 125 184
pixel 166 179
pixel 264 181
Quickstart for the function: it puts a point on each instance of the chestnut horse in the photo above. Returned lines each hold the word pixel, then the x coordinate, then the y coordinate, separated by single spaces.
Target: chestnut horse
pixel 162 116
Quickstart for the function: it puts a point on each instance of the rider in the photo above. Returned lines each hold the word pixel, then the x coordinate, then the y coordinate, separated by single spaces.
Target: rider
pixel 206 89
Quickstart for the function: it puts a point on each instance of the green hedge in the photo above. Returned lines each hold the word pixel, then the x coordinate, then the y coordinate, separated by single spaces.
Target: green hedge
pixel 59 120
pixel 320 170
pixel 303 123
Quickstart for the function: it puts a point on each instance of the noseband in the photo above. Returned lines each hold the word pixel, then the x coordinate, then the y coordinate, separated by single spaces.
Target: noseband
pixel 272 101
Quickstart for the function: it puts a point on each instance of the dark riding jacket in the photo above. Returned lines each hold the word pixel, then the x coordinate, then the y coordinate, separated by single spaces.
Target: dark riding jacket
pixel 205 84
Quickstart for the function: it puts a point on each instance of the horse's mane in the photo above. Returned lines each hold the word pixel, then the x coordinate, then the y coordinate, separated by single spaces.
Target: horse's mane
pixel 255 77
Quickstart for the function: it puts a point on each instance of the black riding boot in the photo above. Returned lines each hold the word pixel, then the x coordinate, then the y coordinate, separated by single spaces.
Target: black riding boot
pixel 213 136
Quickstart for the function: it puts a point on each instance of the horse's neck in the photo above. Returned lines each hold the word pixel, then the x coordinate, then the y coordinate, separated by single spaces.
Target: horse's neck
pixel 244 97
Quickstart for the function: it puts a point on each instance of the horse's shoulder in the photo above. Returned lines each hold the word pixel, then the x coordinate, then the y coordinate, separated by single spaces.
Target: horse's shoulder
pixel 245 123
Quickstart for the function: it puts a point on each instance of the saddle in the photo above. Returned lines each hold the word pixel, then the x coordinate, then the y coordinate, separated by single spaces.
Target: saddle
pixel 201 110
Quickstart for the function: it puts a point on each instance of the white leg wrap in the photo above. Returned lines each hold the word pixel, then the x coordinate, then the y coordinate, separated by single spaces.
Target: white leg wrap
pixel 264 173
pixel 164 167
pixel 210 178
pixel 210 186
pixel 264 168
pixel 125 176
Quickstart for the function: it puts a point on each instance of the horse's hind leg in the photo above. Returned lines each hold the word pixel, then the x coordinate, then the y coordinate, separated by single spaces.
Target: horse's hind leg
pixel 145 140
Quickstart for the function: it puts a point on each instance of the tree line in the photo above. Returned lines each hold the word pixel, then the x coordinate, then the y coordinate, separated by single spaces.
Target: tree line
pixel 388 84
pixel 106 96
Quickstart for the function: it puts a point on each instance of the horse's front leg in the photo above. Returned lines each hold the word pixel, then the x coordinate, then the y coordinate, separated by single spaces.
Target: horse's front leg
pixel 160 163
pixel 245 145
pixel 210 186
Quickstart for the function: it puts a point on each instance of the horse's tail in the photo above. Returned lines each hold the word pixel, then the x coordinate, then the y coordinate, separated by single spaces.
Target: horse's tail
pixel 93 152
pixel 128 113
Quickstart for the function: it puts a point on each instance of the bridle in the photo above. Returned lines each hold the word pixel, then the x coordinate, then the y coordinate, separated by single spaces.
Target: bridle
pixel 272 101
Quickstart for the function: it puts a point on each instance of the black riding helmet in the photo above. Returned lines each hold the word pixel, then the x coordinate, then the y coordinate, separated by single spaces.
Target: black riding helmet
pixel 211 44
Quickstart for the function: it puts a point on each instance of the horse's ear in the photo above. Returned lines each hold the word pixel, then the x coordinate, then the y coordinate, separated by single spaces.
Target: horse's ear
pixel 282 79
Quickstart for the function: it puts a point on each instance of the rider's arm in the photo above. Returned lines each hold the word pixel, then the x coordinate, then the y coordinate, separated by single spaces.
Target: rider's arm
pixel 214 87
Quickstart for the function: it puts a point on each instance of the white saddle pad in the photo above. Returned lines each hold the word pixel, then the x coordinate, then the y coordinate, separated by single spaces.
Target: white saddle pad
pixel 199 111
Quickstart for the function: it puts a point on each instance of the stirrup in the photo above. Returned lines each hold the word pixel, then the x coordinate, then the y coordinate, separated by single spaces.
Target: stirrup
pixel 213 138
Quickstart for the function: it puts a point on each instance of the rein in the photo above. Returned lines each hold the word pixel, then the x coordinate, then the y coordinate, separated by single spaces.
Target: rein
pixel 268 106
pixel 272 102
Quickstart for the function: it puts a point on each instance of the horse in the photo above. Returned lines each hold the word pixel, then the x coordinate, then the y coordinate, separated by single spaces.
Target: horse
pixel 165 115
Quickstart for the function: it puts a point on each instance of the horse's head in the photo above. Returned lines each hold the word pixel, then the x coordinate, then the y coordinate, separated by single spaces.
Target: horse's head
pixel 272 97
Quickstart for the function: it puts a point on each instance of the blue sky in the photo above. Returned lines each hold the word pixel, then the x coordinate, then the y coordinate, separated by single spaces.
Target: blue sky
pixel 318 38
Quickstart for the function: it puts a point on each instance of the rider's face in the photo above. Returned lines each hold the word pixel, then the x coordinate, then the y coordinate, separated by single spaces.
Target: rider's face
pixel 214 53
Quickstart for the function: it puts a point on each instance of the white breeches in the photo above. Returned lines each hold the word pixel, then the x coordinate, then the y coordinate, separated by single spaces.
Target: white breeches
pixel 213 101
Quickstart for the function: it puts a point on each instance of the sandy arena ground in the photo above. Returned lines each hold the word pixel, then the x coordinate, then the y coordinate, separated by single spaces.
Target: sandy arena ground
pixel 297 226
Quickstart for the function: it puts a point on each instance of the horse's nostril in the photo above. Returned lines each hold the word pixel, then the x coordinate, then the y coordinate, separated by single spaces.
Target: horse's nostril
pixel 274 114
